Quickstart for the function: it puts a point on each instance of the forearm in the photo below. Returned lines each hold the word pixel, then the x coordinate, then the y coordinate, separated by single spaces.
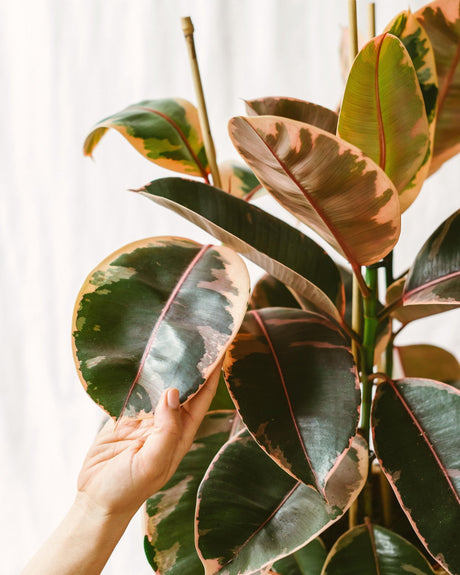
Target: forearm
pixel 81 544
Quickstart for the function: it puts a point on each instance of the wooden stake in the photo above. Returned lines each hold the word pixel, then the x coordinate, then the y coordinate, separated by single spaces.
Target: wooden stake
pixel 187 28
pixel 352 31
pixel 371 20
pixel 357 301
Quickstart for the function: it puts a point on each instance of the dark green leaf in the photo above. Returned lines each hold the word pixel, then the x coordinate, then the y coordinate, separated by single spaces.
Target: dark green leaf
pixel 308 560
pixel 416 431
pixel 270 292
pixel 156 312
pixel 294 382
pixel 169 541
pixel 434 277
pixel 250 513
pixel 280 249
pixel 373 550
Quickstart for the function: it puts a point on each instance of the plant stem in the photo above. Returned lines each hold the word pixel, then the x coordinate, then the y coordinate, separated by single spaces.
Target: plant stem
pixel 368 348
pixel 352 31
pixel 187 28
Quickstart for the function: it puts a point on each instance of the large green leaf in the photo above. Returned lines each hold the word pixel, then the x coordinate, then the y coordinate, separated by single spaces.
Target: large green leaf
pixel 415 39
pixel 270 292
pixel 416 431
pixel 294 382
pixel 169 541
pixel 373 550
pixel 325 182
pixel 441 20
pixel 166 132
pixel 383 111
pixel 429 362
pixel 434 278
pixel 251 513
pixel 157 312
pixel 239 181
pixel 296 110
pixel 280 249
pixel 308 560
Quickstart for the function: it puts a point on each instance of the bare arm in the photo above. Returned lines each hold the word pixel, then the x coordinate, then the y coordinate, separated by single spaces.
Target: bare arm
pixel 126 464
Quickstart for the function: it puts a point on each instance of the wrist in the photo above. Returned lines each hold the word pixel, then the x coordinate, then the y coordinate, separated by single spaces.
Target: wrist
pixel 85 507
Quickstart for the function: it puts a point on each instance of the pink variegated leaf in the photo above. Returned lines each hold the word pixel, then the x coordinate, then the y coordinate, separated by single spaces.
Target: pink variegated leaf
pixel 238 180
pixel 325 182
pixel 441 21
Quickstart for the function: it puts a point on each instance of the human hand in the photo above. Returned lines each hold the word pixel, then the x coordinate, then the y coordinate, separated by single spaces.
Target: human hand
pixel 132 459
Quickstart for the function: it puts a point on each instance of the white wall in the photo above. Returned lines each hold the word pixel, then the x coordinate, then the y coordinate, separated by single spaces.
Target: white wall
pixel 65 64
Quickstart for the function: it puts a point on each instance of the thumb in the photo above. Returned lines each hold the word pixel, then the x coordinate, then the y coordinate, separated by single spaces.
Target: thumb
pixel 167 413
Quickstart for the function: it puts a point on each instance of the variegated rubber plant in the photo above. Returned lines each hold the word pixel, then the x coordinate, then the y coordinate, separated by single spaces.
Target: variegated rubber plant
pixel 305 436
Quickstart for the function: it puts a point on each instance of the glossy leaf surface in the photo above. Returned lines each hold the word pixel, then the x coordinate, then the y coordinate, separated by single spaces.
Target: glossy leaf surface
pixel 415 39
pixel 280 249
pixel 383 111
pixel 308 560
pixel 407 313
pixel 166 132
pixel 416 430
pixel 169 515
pixel 373 550
pixel 325 182
pixel 293 379
pixel 296 110
pixel 434 277
pixel 429 362
pixel 156 311
pixel 239 181
pixel 441 20
pixel 251 513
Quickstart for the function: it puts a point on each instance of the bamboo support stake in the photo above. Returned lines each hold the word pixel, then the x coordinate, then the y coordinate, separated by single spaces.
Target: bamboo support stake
pixel 352 31
pixel 187 28
pixel 357 311
pixel 371 20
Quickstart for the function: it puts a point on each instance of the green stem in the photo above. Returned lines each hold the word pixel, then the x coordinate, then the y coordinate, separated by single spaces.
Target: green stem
pixel 368 349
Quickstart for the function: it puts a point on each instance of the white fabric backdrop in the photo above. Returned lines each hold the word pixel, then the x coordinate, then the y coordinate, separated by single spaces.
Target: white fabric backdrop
pixel 63 66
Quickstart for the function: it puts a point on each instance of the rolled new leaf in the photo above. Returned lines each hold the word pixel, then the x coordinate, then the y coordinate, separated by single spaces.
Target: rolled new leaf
pixel 296 110
pixel 441 20
pixel 294 381
pixel 250 513
pixel 373 550
pixel 169 514
pixel 308 560
pixel 166 132
pixel 325 182
pixel 383 111
pixel 434 278
pixel 280 249
pixel 156 313
pixel 416 431
pixel 239 181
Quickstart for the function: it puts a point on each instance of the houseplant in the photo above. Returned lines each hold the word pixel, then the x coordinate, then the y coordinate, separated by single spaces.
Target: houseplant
pixel 260 486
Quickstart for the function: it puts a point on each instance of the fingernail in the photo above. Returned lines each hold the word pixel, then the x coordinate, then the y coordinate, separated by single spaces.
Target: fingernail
pixel 173 398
